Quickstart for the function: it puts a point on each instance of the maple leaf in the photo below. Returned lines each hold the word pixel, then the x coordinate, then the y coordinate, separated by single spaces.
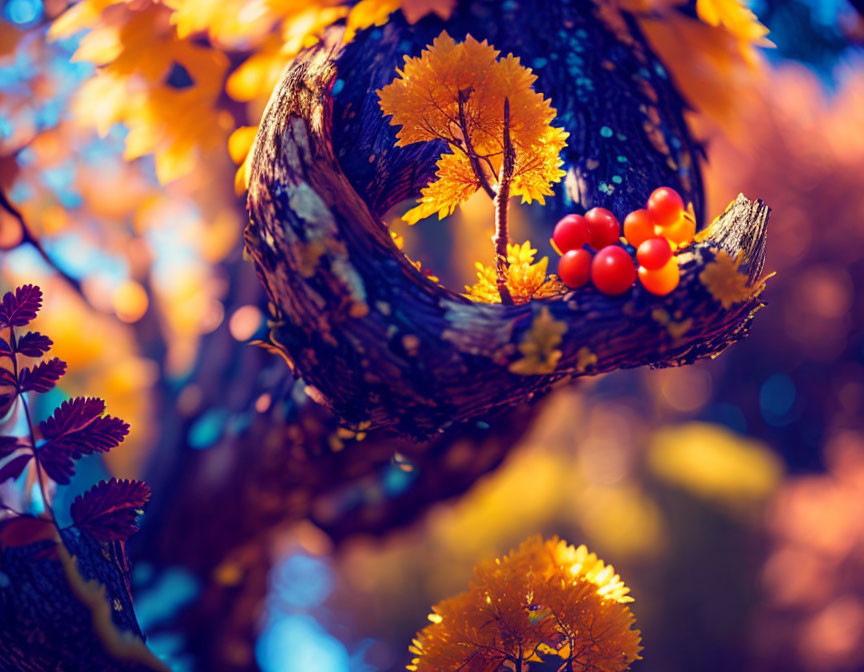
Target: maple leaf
pixel 466 96
pixel 19 308
pixel 164 89
pixel 41 377
pixel 78 427
pixel 109 510
pixel 725 282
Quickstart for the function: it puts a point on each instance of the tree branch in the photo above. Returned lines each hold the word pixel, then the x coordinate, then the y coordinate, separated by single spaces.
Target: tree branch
pixel 502 208
pixel 27 236
pixel 479 173
pixel 380 344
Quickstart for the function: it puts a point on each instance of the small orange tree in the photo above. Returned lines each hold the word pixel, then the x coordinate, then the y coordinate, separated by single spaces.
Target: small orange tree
pixel 545 601
pixel 497 128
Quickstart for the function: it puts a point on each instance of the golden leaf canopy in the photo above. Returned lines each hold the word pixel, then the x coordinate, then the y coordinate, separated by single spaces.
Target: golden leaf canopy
pixel 456 93
pixel 543 601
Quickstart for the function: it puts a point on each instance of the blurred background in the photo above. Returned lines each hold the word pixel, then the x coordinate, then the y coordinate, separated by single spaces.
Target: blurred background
pixel 728 494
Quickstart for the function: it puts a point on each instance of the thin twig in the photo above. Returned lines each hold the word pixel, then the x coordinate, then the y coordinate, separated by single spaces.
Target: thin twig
pixel 27 236
pixel 39 472
pixel 464 95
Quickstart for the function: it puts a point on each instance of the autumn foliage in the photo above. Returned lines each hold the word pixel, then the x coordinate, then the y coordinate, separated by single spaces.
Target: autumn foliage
pixel 545 601
pixel 456 93
pixel 496 127
pixel 78 427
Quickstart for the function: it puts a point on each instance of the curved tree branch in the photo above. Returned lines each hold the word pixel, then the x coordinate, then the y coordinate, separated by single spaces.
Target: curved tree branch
pixel 381 345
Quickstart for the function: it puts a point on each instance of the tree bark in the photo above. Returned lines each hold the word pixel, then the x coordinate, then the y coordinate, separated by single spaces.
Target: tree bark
pixel 381 345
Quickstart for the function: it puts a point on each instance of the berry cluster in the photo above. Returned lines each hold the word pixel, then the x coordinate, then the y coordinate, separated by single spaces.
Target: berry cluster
pixel 655 233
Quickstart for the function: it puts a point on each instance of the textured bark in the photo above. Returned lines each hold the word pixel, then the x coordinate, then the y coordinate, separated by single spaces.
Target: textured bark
pixel 376 341
pixel 46 622
pixel 380 344
pixel 226 505
pixel 278 473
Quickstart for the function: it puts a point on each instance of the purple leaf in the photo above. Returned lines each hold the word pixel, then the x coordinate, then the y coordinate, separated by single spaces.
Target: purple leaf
pixel 72 415
pixel 108 511
pixel 5 350
pixel 18 309
pixel 41 377
pixel 14 467
pixel 7 378
pixel 24 530
pixel 34 344
pixel 78 427
pixel 9 444
pixel 59 466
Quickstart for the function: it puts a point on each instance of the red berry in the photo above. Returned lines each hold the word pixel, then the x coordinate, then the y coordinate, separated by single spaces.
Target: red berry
pixel 571 233
pixel 613 271
pixel 603 227
pixel 661 281
pixel 654 253
pixel 682 233
pixel 665 206
pixel 574 268
pixel 638 227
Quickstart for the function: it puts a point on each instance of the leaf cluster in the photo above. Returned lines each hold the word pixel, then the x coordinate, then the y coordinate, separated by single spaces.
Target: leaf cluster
pixel 78 427
pixel 457 93
pixel 545 601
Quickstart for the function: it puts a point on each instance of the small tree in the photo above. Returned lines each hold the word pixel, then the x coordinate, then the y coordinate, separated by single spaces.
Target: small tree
pixel 545 602
pixel 497 128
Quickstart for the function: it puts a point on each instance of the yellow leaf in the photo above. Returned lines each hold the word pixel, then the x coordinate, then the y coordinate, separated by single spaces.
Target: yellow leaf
pixel 239 146
pixel 725 282
pixel 539 346
pixel 100 46
pixel 305 27
pixel 736 17
pixel 368 13
pixel 257 75
pixel 456 183
pixel 240 142
pixel 538 167
pixel 176 121
pixel 78 17
pixel 525 279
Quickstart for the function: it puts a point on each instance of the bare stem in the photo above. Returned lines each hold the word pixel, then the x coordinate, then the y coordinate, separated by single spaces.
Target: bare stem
pixel 502 210
pixel 39 471
pixel 473 158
